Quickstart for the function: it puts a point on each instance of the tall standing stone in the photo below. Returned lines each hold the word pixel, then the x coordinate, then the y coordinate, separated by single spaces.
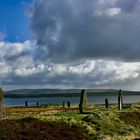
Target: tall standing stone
pixel 37 104
pixel 68 103
pixel 63 104
pixel 26 103
pixel 106 102
pixel 2 107
pixel 120 100
pixel 83 101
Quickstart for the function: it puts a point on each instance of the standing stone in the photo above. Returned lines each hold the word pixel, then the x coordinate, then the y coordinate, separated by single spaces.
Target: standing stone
pixel 68 103
pixel 2 107
pixel 106 102
pixel 37 104
pixel 83 101
pixel 63 104
pixel 120 100
pixel 26 103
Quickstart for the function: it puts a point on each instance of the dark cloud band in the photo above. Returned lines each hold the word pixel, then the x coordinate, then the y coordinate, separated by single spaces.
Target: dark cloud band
pixel 68 30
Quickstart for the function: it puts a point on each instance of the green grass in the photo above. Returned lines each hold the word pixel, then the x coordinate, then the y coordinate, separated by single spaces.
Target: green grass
pixel 75 115
pixel 99 124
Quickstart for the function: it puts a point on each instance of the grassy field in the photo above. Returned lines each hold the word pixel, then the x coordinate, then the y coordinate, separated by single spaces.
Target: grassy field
pixel 57 123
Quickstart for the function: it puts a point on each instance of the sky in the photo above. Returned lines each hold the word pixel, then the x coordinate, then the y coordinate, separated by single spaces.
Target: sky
pixel 70 44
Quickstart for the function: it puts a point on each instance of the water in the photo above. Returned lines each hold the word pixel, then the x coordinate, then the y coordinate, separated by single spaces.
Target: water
pixel 73 100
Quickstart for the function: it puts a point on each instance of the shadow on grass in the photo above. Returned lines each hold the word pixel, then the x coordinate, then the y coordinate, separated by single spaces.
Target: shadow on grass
pixel 131 118
pixel 34 129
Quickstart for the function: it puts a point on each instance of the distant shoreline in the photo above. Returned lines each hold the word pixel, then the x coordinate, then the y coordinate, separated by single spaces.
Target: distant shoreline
pixel 32 95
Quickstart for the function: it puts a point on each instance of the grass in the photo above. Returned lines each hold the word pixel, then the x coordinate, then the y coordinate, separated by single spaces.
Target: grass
pixel 57 123
pixel 75 115
pixel 36 129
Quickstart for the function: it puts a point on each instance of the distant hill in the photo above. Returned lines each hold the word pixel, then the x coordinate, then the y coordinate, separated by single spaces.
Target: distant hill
pixel 22 93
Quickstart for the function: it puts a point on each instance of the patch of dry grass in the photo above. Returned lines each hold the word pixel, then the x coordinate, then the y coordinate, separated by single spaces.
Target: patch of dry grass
pixel 35 129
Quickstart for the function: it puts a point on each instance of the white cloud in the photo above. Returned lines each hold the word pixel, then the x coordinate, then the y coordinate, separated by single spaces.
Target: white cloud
pixel 29 71
pixel 127 71
pixel 14 56
pixel 84 68
pixel 5 69
pixel 85 73
pixel 113 11
pixel 8 49
pixel 24 61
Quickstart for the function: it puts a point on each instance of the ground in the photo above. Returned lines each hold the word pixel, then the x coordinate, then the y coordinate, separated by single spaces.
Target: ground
pixel 58 123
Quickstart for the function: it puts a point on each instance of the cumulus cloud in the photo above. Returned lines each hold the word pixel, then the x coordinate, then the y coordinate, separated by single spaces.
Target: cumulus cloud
pixel 69 30
pixel 4 69
pixel 16 55
pixel 28 71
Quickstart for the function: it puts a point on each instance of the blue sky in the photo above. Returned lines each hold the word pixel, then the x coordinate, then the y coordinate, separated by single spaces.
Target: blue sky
pixel 13 20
